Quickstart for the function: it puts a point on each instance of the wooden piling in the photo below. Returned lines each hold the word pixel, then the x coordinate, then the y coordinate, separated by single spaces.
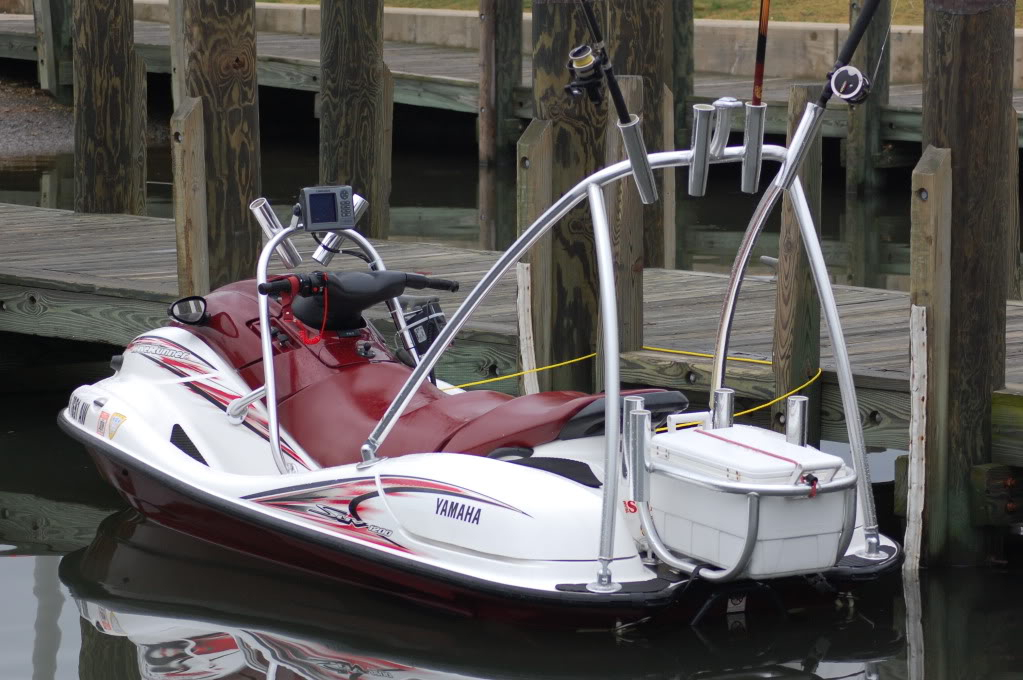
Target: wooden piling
pixel 188 153
pixel 863 143
pixel 637 43
pixel 797 320
pixel 930 276
pixel 682 69
pixel 534 195
pixel 500 74
pixel 53 36
pixel 109 110
pixel 356 105
pixel 578 132
pixel 972 54
pixel 218 53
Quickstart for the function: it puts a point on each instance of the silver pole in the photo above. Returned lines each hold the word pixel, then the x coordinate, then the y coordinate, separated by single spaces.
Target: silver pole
pixel 723 410
pixel 843 367
pixel 639 431
pixel 753 143
pixel 702 114
pixel 332 240
pixel 268 353
pixel 722 124
pixel 271 226
pixel 795 420
pixel 635 149
pixel 609 328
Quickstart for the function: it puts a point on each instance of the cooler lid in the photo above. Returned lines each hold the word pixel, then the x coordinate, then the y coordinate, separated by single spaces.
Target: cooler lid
pixel 750 452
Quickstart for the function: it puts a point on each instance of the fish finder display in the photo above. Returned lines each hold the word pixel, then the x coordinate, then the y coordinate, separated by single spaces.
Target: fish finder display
pixel 328 208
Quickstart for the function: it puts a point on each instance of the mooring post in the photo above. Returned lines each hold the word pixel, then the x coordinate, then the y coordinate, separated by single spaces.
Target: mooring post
pixel 533 187
pixel 110 110
pixel 863 142
pixel 188 153
pixel 968 63
pixel 218 54
pixel 356 106
pixel 641 46
pixel 683 30
pixel 53 37
pixel 930 279
pixel 578 132
pixel 797 318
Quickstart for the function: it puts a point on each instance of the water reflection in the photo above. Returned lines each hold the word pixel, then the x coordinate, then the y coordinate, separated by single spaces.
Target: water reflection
pixel 194 610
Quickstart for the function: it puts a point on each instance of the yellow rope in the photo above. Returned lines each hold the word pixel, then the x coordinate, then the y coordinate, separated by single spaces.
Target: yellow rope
pixel 707 356
pixel 516 375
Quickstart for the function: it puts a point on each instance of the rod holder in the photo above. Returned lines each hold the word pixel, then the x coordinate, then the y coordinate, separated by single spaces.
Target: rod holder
pixel 723 408
pixel 332 240
pixel 271 226
pixel 702 114
pixel 722 125
pixel 632 134
pixel 637 444
pixel 753 147
pixel 795 420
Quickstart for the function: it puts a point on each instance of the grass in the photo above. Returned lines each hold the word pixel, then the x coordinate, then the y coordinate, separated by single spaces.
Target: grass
pixel 829 11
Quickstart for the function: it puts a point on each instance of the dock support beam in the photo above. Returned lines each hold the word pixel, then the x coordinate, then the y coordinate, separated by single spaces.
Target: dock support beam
pixel 968 62
pixel 863 143
pixel 931 250
pixel 356 106
pixel 683 31
pixel 53 38
pixel 110 110
pixel 797 318
pixel 640 46
pixel 188 155
pixel 217 52
pixel 578 129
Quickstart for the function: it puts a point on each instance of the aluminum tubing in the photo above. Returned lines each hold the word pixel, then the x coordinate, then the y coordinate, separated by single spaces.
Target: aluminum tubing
pixel 612 420
pixel 843 368
pixel 266 344
pixel 629 404
pixel 723 408
pixel 795 420
pixel 715 484
pixel 802 140
pixel 271 226
pixel 639 441
pixel 635 148
pixel 332 240
pixel 722 125
pixel 752 151
pixel 702 114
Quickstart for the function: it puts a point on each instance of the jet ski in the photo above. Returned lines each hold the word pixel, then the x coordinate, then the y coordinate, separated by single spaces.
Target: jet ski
pixel 271 417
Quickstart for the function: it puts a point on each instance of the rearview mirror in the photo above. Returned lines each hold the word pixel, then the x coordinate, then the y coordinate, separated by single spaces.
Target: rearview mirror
pixel 190 310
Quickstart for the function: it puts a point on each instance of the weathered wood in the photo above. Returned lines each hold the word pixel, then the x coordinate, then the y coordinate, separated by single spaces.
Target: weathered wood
pixel 176 10
pixel 797 320
pixel 219 57
pixel 137 132
pixel 931 234
pixel 901 485
pixel 668 188
pixel 636 39
pixel 509 74
pixel 995 497
pixel 524 312
pixel 53 33
pixel 534 169
pixel 487 118
pixel 579 129
pixel 109 110
pixel 188 154
pixel 355 105
pixel 42 526
pixel 863 141
pixel 916 475
pixel 682 80
pixel 972 53
pixel 1014 274
pixel 47 52
pixel 625 212
pixel 1007 426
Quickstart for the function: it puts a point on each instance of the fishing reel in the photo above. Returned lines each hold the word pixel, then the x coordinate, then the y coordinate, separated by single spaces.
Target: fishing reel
pixel 850 85
pixel 586 66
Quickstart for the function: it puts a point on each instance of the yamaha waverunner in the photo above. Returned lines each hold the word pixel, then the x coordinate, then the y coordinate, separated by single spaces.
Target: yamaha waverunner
pixel 271 417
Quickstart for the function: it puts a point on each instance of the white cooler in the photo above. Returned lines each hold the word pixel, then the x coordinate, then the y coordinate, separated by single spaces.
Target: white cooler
pixel 797 535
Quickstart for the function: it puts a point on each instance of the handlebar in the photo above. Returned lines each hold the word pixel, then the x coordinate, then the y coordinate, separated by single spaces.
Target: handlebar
pixel 418 281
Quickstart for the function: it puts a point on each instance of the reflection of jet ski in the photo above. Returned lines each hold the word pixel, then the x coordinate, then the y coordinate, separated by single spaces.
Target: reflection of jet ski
pixel 194 608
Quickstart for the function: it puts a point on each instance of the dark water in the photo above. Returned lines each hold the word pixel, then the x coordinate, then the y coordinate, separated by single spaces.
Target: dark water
pixel 90 591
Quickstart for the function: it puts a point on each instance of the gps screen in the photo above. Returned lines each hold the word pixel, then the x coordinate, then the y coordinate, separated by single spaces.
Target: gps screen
pixel 322 208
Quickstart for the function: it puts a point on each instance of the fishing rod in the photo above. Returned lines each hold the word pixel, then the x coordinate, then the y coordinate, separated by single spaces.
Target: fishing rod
pixel 758 68
pixel 590 66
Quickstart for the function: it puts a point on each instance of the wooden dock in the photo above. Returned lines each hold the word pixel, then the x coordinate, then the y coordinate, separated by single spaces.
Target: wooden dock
pixel 107 278
pixel 447 78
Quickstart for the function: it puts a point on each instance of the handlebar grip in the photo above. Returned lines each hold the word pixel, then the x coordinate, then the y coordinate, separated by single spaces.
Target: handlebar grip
pixel 418 281
pixel 276 286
